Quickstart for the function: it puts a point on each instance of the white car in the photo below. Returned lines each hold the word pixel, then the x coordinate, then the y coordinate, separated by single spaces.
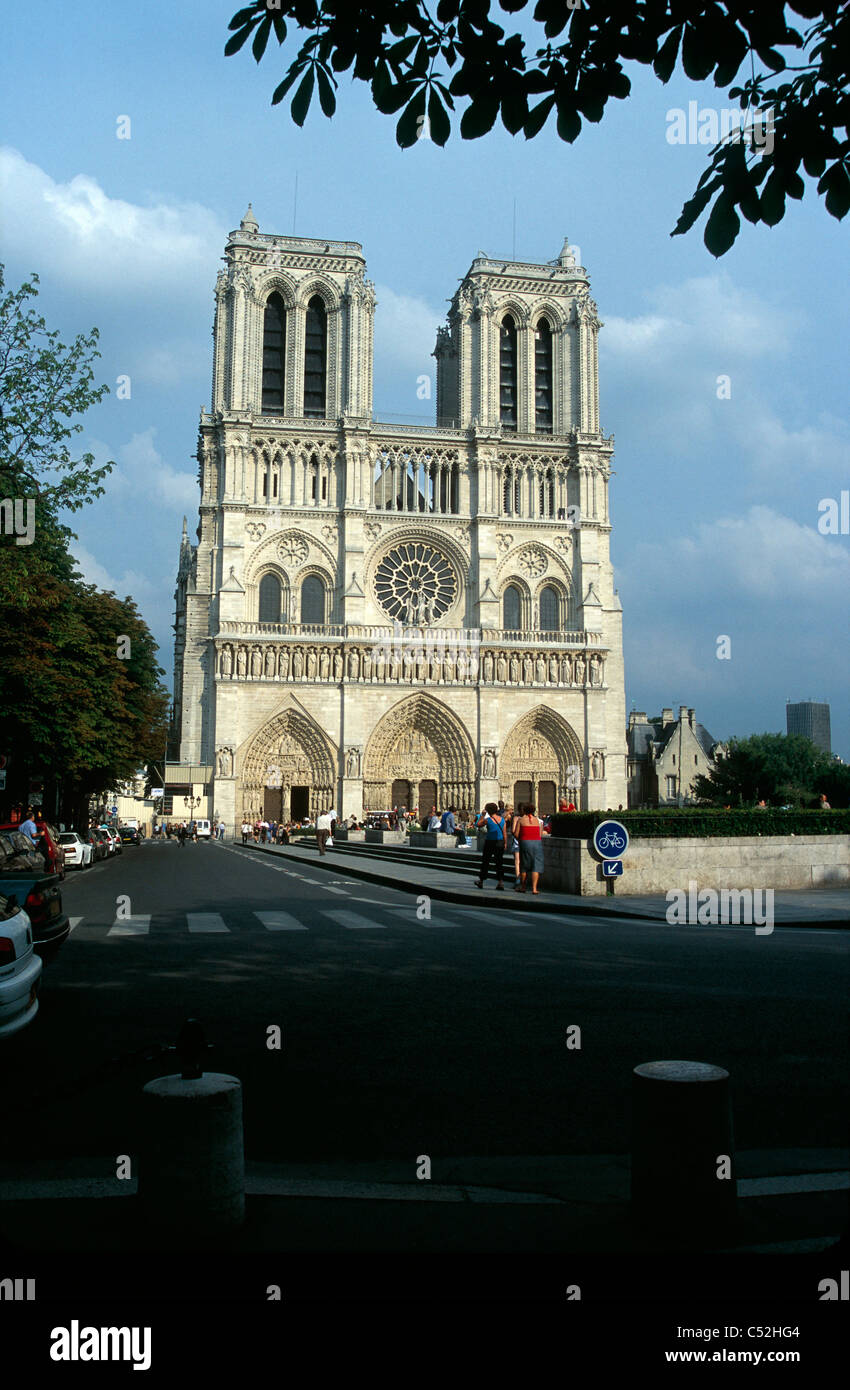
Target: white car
pixel 20 971
pixel 78 852
pixel 202 829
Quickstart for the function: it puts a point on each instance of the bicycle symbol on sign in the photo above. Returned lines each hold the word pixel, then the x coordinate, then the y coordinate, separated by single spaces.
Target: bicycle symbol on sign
pixel 611 840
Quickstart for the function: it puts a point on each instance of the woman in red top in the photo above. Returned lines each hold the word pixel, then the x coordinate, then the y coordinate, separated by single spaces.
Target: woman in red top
pixel 528 831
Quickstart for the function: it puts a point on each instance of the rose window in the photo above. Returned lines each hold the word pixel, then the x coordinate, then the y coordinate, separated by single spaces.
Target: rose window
pixel 293 550
pixel 415 584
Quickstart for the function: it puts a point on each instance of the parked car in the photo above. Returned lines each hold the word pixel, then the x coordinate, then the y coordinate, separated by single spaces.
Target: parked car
pixel 129 835
pixel 78 852
pixel 112 837
pixel 20 969
pixel 47 844
pixel 202 829
pixel 25 882
pixel 99 847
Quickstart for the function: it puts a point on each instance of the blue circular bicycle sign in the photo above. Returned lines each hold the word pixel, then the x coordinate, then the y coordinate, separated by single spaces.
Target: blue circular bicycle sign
pixel 610 839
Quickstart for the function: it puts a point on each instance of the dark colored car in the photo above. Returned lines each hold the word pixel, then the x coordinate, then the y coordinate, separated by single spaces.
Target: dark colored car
pixel 129 835
pixel 99 847
pixel 47 844
pixel 23 879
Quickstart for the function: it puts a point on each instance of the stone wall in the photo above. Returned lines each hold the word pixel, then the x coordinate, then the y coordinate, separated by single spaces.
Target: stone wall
pixel 657 866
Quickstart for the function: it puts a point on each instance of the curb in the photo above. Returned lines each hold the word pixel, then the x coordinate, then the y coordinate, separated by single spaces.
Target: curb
pixel 504 901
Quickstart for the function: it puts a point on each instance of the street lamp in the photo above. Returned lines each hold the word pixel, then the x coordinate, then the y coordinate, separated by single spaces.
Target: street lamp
pixel 190 802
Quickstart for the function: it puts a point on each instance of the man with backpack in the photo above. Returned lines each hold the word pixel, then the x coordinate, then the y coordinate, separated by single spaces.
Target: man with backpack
pixel 492 821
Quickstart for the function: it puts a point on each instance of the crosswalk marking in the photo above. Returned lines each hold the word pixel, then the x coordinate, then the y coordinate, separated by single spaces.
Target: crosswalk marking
pixel 354 921
pixel 409 914
pixel 74 922
pixel 206 922
pixel 130 926
pixel 280 921
pixel 329 888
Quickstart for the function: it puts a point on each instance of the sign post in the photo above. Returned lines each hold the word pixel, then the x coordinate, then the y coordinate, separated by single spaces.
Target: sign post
pixel 610 842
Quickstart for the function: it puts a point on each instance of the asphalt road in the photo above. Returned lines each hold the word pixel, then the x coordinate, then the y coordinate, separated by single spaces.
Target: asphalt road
pixel 404 1036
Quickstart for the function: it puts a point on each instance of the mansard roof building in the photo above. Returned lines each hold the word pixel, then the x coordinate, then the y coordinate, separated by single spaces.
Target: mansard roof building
pixel 376 614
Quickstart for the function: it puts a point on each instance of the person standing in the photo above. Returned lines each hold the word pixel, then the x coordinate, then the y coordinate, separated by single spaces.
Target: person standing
pixel 513 844
pixel 492 821
pixel 181 834
pixel 529 832
pixel 323 830
pixel 29 828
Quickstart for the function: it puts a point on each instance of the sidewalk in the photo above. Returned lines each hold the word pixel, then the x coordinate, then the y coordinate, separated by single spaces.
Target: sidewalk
pixel 828 908
pixel 790 1201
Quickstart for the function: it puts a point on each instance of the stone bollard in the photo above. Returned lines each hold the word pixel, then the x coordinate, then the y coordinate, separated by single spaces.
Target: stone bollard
pixel 191 1159
pixel 682 1144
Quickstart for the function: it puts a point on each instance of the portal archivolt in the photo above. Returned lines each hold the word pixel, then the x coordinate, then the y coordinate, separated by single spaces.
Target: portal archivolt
pixel 288 768
pixel 419 740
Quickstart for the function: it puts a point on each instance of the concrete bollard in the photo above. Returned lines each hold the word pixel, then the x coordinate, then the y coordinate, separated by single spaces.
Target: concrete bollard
pixel 682 1145
pixel 191 1160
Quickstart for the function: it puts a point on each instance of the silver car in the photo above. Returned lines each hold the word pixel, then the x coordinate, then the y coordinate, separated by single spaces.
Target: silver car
pixel 20 970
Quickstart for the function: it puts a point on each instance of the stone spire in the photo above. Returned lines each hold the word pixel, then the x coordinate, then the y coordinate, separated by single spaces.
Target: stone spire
pixel 249 222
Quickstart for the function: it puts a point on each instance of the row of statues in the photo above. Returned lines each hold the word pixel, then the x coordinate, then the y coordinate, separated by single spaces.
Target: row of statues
pixel 406 662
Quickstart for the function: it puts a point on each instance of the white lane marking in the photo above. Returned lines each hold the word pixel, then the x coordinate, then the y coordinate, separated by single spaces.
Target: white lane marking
pixel 329 888
pixel 353 921
pixel 130 926
pixel 74 922
pixel 206 922
pixel 280 921
pixel 409 914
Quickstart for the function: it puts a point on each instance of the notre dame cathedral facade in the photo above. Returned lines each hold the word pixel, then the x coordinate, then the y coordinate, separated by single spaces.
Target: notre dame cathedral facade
pixel 379 614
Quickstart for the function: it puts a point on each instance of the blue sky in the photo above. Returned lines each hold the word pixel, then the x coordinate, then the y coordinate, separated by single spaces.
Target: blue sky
pixel 714 501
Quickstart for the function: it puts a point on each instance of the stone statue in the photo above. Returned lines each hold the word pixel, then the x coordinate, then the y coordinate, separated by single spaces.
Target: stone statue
pixel 565 670
pixel 225 762
pixel 448 668
pixel 367 665
pixel 270 663
pixel 226 661
pixel 353 665
pixel 352 763
pixel 553 670
pixel 597 765
pixel 241 662
pixel 421 669
pixel 501 668
pixel 256 663
pixel 337 665
pixel 488 667
pixel 311 664
pixel 594 669
pixel 527 670
pixel 489 768
pixel 540 669
pixel 381 664
pixel 580 669
pixel 408 663
pixel 283 664
pixel 325 664
pixel 514 669
pixel 297 664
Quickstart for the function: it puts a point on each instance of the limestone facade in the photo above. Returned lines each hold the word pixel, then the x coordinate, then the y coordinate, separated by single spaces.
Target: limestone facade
pixel 378 614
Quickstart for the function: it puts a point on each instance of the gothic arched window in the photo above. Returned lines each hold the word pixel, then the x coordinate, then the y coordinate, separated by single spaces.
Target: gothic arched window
pixel 549 606
pixel 312 600
pixel 508 373
pixel 274 355
pixel 547 494
pixel 543 378
pixel 315 358
pixel 511 609
pixel 270 599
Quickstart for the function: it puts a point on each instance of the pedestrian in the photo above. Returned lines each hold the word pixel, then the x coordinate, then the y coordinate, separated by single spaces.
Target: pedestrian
pixel 492 821
pixel 29 828
pixel 433 820
pixel 823 804
pixel 513 844
pixel 323 830
pixel 181 834
pixel 529 832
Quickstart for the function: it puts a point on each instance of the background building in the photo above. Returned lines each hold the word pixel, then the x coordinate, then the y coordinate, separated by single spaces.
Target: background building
pixel 376 614
pixel 666 755
pixel 811 720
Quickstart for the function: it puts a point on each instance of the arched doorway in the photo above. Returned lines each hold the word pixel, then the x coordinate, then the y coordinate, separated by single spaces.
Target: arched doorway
pixel 400 795
pixel 542 760
pixel 422 742
pixel 288 769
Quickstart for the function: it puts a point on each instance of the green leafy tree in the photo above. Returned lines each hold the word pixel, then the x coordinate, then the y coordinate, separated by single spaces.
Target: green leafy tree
pixel 45 385
pixel 782 769
pixel 422 66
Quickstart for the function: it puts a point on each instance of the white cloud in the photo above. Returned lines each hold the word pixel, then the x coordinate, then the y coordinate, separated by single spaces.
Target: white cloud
pixel 705 315
pixel 142 472
pixel 76 232
pixel 405 330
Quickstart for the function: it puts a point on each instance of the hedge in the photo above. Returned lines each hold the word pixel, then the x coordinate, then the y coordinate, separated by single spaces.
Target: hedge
pixel 703 821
